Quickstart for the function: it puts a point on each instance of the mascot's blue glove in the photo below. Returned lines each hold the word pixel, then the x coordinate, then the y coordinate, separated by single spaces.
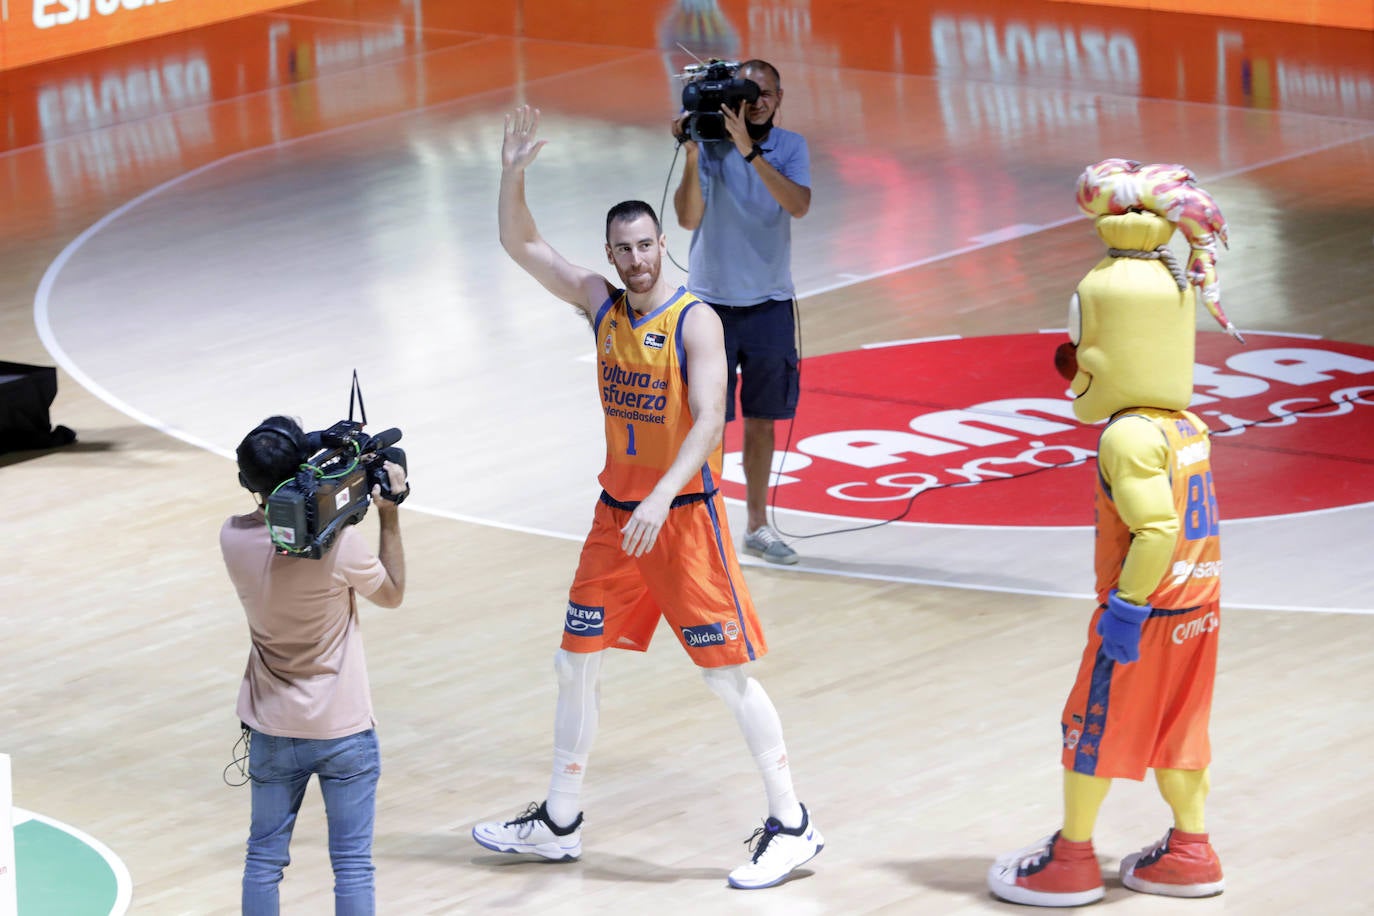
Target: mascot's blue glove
pixel 1119 627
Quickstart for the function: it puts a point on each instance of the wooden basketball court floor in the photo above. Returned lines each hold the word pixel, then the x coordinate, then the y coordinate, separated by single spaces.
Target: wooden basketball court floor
pixel 209 228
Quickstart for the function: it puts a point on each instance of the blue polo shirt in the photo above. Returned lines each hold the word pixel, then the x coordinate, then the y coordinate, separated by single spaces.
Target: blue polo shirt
pixel 741 253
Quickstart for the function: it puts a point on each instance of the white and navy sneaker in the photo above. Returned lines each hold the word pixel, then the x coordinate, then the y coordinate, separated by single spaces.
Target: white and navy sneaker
pixel 777 851
pixel 534 833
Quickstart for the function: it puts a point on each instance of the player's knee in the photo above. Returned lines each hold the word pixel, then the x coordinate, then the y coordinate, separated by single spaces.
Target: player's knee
pixel 574 667
pixel 563 666
pixel 728 683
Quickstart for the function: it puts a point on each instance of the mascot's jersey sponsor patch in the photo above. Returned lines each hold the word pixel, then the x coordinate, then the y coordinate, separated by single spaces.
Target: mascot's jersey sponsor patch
pixel 981 431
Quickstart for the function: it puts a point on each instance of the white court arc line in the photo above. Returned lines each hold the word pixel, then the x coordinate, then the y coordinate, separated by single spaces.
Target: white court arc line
pixel 124 882
pixel 43 294
pixel 49 340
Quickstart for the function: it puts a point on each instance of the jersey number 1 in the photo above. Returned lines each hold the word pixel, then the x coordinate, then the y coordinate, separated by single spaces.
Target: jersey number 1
pixel 630 446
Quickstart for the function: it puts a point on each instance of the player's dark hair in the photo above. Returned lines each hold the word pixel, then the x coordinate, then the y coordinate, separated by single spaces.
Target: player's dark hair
pixel 628 210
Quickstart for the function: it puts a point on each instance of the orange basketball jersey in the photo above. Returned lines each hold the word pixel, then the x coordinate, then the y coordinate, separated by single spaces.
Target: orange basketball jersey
pixel 642 376
pixel 1194 576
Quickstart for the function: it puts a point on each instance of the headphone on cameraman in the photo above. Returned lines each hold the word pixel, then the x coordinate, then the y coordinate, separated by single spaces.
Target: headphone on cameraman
pixel 293 434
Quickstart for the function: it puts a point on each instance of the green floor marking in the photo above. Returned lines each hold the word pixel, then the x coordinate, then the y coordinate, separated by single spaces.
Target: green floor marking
pixel 61 872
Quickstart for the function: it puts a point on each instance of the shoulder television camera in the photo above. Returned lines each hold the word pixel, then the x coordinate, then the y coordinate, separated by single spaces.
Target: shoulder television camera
pixel 333 486
pixel 709 86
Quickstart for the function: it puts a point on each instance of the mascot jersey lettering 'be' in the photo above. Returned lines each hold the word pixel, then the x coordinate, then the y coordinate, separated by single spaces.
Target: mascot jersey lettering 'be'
pixel 1143 696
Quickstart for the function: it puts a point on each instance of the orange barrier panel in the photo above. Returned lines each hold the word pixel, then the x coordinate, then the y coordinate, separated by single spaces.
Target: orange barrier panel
pixel 1347 14
pixel 39 30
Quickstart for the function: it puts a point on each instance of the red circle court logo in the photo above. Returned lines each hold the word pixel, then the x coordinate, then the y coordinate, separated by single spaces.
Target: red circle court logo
pixel 980 431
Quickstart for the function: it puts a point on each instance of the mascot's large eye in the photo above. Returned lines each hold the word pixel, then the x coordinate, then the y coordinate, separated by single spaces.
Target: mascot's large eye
pixel 1075 320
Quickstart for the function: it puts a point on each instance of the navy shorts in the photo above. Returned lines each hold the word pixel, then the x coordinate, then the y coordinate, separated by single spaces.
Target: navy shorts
pixel 761 342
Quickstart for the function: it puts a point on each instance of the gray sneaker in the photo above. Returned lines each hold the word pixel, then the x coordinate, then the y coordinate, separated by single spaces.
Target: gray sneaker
pixel 767 543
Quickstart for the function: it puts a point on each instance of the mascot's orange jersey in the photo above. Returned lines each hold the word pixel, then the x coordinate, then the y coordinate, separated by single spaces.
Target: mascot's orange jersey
pixel 642 376
pixel 1194 574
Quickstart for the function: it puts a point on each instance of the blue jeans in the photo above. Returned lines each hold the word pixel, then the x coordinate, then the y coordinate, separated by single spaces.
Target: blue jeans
pixel 280 768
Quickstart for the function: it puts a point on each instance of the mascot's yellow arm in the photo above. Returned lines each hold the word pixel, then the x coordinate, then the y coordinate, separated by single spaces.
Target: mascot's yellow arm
pixel 1133 459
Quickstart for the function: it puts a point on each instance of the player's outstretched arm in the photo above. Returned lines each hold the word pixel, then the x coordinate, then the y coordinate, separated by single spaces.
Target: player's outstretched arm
pixel 580 286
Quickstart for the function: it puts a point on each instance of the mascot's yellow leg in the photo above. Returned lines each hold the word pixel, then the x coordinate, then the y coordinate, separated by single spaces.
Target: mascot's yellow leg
pixel 1083 797
pixel 1186 793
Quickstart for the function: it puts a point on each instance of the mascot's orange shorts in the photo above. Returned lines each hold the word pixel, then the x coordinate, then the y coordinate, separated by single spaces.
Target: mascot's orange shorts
pixel 691 579
pixel 1121 720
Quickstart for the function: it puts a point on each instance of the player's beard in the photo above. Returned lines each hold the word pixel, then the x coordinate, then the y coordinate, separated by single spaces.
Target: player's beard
pixel 644 281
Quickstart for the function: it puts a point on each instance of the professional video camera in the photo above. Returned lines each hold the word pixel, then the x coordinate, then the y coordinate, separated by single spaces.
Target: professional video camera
pixel 709 86
pixel 333 487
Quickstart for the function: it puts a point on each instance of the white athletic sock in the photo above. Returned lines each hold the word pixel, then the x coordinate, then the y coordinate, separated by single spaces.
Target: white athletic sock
pixel 758 720
pixel 565 787
pixel 777 783
pixel 576 717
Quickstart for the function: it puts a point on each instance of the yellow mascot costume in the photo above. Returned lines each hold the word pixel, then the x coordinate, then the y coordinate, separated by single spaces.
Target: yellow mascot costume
pixel 1143 695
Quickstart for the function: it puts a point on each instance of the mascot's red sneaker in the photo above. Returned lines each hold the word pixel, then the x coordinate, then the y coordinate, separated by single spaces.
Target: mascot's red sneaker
pixel 1180 865
pixel 1053 872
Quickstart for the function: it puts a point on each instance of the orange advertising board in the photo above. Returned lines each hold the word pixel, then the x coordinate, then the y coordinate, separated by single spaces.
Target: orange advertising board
pixel 39 30
pixel 1346 14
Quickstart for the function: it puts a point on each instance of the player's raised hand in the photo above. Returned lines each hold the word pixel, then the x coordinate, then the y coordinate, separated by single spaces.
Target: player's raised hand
pixel 520 146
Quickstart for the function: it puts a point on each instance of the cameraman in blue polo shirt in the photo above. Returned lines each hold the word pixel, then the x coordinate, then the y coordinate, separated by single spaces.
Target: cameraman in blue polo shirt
pixel 739 196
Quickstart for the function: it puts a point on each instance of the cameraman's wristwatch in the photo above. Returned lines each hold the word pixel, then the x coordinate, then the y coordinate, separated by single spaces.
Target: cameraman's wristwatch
pixel 753 153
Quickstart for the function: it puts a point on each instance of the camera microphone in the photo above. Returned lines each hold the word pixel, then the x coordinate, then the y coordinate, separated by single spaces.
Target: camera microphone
pixel 384 439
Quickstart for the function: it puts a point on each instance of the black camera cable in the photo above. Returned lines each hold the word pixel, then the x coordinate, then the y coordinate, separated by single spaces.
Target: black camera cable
pixel 663 201
pixel 911 500
pixel 240 761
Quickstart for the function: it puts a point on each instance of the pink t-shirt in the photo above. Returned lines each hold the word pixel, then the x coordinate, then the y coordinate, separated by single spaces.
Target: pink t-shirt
pixel 306 674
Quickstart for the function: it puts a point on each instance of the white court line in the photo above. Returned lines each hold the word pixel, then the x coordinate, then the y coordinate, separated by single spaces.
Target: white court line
pixel 50 342
pixel 1007 233
pixel 910 340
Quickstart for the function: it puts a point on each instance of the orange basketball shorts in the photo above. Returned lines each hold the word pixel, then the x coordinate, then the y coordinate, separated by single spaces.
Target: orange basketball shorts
pixel 691 579
pixel 1121 720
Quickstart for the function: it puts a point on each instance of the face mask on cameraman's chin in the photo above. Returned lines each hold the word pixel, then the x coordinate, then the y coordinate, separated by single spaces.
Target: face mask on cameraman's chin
pixel 758 131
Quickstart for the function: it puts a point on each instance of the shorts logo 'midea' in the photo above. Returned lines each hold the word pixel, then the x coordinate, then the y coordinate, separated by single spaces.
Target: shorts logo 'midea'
pixel 708 634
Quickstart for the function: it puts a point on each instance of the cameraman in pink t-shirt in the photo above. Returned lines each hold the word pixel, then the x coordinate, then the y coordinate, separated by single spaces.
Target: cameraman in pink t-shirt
pixel 305 702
